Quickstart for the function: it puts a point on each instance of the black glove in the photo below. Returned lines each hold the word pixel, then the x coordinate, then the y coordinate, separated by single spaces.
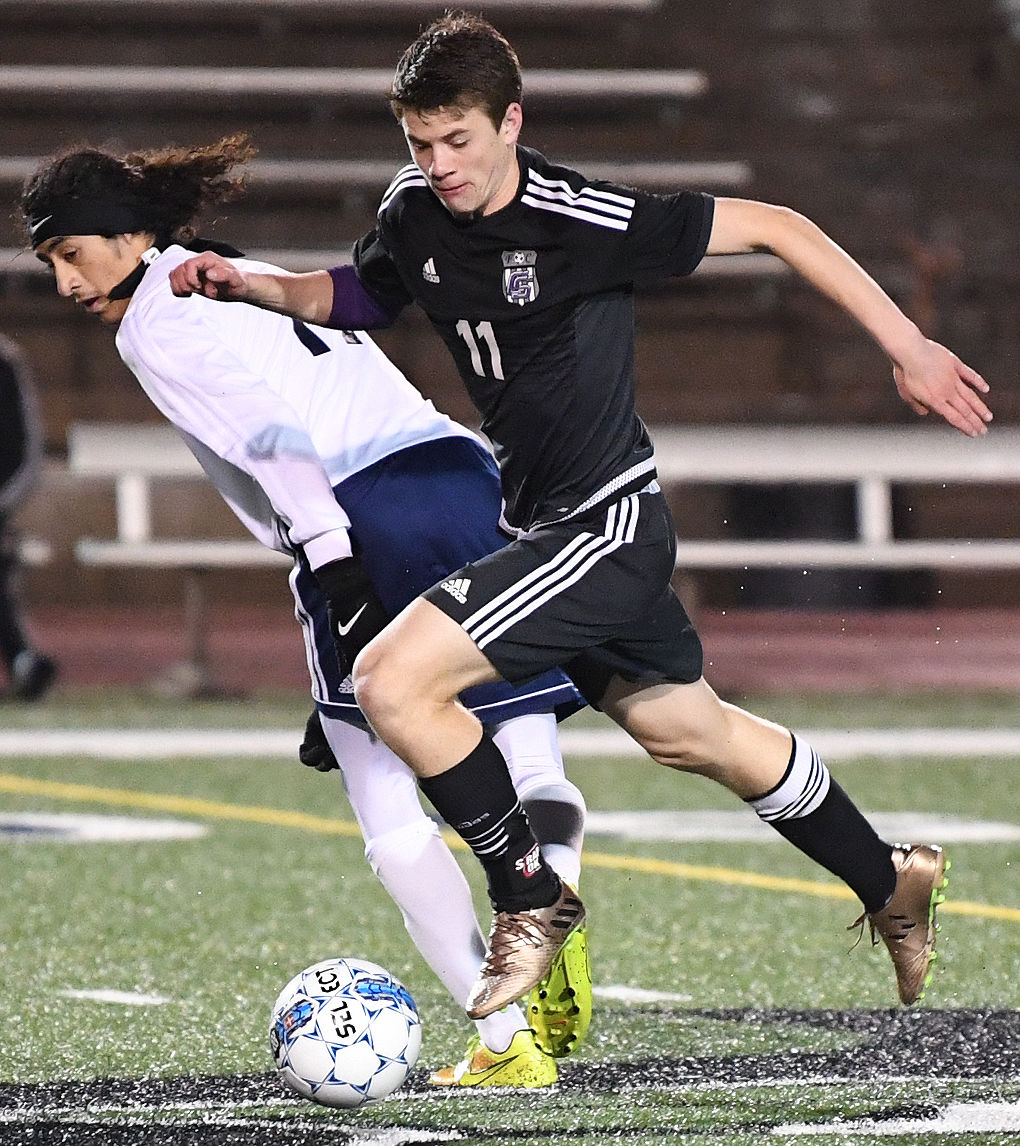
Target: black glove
pixel 355 612
pixel 315 750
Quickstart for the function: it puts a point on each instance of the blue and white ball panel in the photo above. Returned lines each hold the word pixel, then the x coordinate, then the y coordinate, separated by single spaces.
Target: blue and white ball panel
pixel 417 516
pixel 344 1033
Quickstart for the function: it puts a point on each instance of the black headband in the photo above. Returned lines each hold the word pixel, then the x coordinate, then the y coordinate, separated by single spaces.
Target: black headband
pixel 108 216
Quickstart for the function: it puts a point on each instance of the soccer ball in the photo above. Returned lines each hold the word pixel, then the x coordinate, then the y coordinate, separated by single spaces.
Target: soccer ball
pixel 344 1032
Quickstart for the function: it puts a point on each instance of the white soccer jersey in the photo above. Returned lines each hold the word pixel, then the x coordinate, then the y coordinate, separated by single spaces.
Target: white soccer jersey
pixel 276 412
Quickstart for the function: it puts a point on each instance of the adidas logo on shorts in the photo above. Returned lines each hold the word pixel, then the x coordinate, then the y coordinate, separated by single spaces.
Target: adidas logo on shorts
pixel 457 587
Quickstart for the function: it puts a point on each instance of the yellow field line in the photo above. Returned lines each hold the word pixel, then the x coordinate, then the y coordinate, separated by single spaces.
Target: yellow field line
pixel 192 806
pixel 184 805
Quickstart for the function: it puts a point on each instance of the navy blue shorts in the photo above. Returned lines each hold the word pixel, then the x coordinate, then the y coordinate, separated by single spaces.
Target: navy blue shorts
pixel 416 516
pixel 591 595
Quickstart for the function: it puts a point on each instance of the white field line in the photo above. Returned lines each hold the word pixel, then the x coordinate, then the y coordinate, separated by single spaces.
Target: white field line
pixel 76 828
pixel 959 1118
pixel 157 744
pixel 637 995
pixel 121 998
pixel 835 744
pixel 691 825
pixel 618 993
pixel 219 1114
pixel 955 1118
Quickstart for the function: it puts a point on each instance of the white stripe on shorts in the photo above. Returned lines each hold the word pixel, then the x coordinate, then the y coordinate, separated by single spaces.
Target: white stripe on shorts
pixel 522 598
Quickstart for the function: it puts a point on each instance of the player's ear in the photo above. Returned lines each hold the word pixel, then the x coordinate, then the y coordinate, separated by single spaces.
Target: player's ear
pixel 513 119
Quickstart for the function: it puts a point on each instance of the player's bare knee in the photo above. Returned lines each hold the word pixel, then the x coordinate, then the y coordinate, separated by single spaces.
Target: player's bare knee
pixel 382 688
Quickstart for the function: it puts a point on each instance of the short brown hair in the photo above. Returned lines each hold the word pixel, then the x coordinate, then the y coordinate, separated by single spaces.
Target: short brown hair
pixel 460 60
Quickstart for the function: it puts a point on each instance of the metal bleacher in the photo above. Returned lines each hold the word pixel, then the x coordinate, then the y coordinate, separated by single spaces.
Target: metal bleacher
pixel 59 81
pixel 291 180
pixel 298 178
pixel 307 80
pixel 621 89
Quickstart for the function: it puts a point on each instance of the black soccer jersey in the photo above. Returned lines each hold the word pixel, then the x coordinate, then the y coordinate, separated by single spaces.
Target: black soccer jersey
pixel 535 303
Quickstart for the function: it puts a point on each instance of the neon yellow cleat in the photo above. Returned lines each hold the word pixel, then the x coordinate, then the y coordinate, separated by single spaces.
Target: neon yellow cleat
pixel 521 1064
pixel 559 1008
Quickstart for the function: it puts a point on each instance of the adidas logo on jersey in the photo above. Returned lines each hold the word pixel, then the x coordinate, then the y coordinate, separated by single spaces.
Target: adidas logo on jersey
pixel 457 587
pixel 429 272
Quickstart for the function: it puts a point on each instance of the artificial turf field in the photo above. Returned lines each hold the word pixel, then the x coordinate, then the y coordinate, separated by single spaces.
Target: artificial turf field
pixel 136 976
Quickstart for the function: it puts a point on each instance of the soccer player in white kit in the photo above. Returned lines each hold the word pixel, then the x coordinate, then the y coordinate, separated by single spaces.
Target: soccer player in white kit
pixel 326 452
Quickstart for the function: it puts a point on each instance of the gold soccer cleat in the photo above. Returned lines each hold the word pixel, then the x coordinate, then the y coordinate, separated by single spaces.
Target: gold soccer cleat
pixel 907 922
pixel 522 946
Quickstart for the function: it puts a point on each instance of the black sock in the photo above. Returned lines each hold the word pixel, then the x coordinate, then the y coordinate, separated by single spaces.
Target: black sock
pixel 808 808
pixel 839 838
pixel 477 799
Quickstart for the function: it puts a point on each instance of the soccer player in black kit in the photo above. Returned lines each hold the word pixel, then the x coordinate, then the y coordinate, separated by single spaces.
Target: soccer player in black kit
pixel 527 270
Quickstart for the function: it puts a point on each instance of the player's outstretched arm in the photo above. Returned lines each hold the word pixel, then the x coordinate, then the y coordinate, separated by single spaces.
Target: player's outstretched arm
pixel 927 375
pixel 307 296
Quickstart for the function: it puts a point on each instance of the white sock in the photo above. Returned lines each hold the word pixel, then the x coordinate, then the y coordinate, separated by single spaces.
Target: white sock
pixel 564 861
pixel 555 806
pixel 417 869
pixel 497 1030
pixel 426 883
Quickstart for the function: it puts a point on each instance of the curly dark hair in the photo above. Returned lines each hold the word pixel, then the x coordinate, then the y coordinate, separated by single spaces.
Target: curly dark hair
pixel 459 60
pixel 167 187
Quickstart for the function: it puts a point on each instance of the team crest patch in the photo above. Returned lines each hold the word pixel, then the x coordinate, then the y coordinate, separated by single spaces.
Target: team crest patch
pixel 520 282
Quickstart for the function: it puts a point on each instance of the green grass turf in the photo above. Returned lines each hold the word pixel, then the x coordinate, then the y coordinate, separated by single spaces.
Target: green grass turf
pixel 217 924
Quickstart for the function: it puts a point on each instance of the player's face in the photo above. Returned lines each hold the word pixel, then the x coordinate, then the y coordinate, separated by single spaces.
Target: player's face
pixel 87 267
pixel 470 163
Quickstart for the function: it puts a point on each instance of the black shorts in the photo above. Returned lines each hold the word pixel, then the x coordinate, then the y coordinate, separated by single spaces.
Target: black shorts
pixel 591 595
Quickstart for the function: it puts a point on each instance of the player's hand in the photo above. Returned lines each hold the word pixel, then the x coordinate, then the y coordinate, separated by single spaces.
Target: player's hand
pixel 315 750
pixel 355 612
pixel 211 275
pixel 937 380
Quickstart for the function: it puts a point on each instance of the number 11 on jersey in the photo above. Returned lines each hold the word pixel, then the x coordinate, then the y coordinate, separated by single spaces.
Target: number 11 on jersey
pixel 484 332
